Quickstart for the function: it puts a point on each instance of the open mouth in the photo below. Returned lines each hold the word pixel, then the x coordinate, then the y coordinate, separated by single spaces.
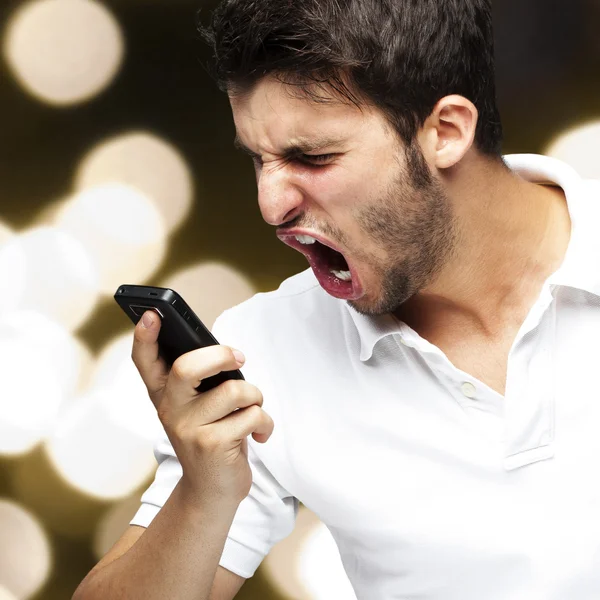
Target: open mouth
pixel 332 260
pixel 330 267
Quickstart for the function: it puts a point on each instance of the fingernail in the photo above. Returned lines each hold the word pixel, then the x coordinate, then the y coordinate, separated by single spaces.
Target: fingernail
pixel 239 356
pixel 147 320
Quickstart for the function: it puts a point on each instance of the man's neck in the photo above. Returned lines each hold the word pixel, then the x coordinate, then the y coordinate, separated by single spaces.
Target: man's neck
pixel 513 235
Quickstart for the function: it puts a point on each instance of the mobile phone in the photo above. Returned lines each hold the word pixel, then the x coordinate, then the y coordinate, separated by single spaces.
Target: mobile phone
pixel 181 330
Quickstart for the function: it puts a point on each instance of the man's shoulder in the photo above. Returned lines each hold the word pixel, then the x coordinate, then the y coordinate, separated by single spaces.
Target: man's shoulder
pixel 296 291
pixel 293 287
pixel 592 187
pixel 299 302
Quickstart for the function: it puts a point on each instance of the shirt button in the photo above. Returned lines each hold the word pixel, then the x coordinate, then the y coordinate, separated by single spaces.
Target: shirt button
pixel 403 341
pixel 468 389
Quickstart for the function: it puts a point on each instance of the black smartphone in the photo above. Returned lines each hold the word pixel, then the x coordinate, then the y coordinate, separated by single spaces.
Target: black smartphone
pixel 181 330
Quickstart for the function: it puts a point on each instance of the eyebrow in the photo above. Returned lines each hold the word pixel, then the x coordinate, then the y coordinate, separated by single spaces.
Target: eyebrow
pixel 301 146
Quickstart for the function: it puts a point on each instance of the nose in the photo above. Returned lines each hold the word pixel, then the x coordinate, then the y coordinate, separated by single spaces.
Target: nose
pixel 279 197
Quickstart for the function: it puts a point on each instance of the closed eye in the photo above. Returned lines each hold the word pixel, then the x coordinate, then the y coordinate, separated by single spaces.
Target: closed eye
pixel 316 159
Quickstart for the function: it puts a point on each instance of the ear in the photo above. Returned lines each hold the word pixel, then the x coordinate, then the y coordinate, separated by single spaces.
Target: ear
pixel 449 131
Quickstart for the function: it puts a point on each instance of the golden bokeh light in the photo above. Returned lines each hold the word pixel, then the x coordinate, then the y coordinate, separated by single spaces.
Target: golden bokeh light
pixel 578 147
pixel 280 565
pixel 113 524
pixel 47 270
pixel 120 229
pixel 210 288
pixel 25 552
pixel 62 508
pixel 147 163
pixel 49 214
pixel 306 565
pixel 320 567
pixel 6 594
pixel 97 455
pixel 63 51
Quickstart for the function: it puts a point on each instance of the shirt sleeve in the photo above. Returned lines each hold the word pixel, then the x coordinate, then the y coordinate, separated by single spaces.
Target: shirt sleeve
pixel 264 517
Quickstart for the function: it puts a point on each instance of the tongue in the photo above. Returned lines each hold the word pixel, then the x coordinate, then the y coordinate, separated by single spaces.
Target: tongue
pixel 322 260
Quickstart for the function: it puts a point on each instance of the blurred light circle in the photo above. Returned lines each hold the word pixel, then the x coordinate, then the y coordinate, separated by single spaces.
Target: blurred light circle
pixel 6 233
pixel 120 229
pixel 13 274
pixel 97 455
pixel 578 147
pixel 320 567
pixel 114 524
pixel 49 271
pixel 6 594
pixel 63 51
pixel 69 358
pixel 147 163
pixel 31 393
pixel 69 512
pixel 210 288
pixel 280 565
pixel 49 213
pixel 130 405
pixel 25 552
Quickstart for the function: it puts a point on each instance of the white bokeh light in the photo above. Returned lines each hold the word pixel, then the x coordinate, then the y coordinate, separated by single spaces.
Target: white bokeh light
pixel 104 443
pixel 131 406
pixel 14 277
pixel 147 163
pixel 96 454
pixel 49 271
pixel 31 392
pixel 578 147
pixel 121 230
pixel 70 359
pixel 13 274
pixel 25 552
pixel 6 233
pixel 63 51
pixel 210 288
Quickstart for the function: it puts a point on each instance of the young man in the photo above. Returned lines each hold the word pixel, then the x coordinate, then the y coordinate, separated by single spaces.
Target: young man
pixel 431 378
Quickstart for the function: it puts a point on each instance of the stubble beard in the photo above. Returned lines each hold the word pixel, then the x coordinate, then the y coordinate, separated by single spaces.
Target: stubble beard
pixel 416 225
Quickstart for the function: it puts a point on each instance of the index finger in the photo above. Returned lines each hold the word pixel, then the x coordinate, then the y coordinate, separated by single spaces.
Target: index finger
pixel 144 352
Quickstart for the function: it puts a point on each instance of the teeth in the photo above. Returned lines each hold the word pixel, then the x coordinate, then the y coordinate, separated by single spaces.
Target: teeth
pixel 305 239
pixel 343 275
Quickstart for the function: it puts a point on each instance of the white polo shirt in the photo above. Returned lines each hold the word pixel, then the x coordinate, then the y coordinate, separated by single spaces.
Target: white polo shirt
pixel 433 485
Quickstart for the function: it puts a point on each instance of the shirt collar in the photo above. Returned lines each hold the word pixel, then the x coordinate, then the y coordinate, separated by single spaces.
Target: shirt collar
pixel 580 266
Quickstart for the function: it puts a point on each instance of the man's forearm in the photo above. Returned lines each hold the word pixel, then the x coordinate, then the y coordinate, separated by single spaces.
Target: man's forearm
pixel 176 557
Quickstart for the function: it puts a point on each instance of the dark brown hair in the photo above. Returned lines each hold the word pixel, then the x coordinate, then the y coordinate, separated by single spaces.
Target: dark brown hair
pixel 402 56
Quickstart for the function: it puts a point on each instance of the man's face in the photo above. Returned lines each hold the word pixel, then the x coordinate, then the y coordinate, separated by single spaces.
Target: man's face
pixel 350 182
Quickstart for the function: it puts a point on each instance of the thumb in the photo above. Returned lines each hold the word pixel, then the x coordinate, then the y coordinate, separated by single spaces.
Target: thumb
pixel 145 352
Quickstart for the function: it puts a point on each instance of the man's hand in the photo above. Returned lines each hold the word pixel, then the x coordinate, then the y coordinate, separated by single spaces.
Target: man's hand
pixel 208 434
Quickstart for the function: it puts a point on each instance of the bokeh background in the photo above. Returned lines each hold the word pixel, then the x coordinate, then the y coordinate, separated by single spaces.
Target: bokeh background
pixel 117 166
